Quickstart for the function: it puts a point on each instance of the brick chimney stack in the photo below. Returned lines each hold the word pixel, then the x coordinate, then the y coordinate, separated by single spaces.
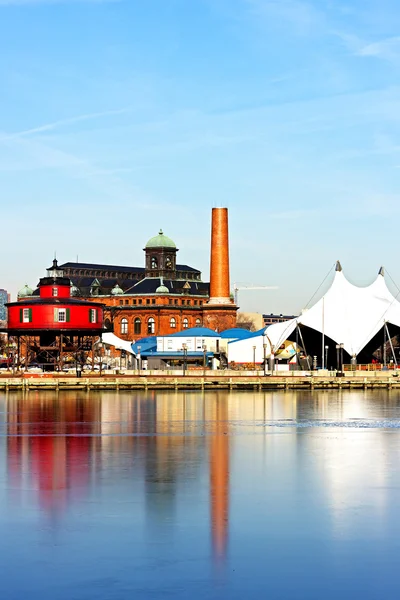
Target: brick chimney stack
pixel 219 263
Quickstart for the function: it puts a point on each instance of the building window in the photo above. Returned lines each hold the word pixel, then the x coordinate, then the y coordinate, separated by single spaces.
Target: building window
pixel 196 302
pixel 126 301
pixel 92 315
pixel 151 325
pixel 124 326
pixel 121 302
pixel 140 301
pixel 185 323
pixel 172 323
pixel 61 315
pixel 153 301
pixel 137 326
pixel 147 301
pixel 154 263
pixel 25 315
pixel 133 301
pixel 55 291
pixel 198 322
pixel 175 301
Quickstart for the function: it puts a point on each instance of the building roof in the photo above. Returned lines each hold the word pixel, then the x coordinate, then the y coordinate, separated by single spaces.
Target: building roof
pixel 195 332
pixel 149 285
pixel 160 241
pixel 144 345
pixel 95 266
pixel 118 268
pixel 236 333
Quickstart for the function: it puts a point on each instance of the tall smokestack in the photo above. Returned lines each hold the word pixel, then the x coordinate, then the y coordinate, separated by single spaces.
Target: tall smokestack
pixel 219 263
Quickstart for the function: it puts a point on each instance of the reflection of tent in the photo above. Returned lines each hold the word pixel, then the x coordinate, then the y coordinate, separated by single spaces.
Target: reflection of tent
pixel 347 314
pixel 113 340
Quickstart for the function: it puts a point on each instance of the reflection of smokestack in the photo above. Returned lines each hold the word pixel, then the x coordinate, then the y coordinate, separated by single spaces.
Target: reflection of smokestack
pixel 219 479
pixel 219 267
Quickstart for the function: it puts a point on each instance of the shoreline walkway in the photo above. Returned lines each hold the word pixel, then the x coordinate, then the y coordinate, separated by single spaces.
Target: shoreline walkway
pixel 211 380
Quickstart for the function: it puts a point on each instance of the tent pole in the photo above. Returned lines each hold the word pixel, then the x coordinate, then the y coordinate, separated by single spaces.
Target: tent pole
pixel 304 346
pixel 323 333
pixel 391 345
pixel 384 343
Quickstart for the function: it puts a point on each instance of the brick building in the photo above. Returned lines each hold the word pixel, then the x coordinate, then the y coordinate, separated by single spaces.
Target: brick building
pixel 162 297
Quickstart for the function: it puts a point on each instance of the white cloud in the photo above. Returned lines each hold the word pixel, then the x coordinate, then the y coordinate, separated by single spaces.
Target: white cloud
pixel 303 16
pixel 61 123
pixel 388 49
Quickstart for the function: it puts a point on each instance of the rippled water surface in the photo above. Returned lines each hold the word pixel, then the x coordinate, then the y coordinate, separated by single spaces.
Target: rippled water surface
pixel 189 495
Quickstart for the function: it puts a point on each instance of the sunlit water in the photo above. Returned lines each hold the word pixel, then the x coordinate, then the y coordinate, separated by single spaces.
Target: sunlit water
pixel 189 495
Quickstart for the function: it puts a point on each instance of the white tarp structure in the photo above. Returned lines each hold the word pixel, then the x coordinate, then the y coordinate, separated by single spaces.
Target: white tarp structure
pixel 347 314
pixel 113 340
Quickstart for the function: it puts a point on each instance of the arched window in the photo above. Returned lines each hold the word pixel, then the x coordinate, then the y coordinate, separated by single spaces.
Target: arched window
pixel 124 326
pixel 151 325
pixel 107 324
pixel 198 322
pixel 137 326
pixel 185 323
pixel 172 323
pixel 154 263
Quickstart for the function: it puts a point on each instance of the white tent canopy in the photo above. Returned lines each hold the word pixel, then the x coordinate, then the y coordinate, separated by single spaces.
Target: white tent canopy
pixel 348 314
pixel 113 340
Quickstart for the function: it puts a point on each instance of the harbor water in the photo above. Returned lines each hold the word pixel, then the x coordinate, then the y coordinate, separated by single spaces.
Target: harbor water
pixel 117 495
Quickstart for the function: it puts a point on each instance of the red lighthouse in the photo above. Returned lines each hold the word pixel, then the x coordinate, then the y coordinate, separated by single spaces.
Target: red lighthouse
pixel 54 323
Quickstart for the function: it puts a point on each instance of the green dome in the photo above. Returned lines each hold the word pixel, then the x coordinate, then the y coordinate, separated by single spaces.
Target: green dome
pixel 26 291
pixel 162 289
pixel 117 291
pixel 160 241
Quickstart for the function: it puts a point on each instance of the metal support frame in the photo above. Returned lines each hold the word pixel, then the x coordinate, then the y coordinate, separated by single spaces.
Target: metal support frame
pixel 304 346
pixel 391 345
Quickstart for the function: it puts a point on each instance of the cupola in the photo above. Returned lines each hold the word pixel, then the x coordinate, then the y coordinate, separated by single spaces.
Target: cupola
pixel 161 256
pixel 117 291
pixel 25 292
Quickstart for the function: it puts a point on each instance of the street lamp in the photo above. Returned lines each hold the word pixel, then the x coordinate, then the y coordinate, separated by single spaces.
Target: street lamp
pixel 100 348
pixel 326 356
pixel 254 358
pixel 184 348
pixel 138 359
pixel 204 358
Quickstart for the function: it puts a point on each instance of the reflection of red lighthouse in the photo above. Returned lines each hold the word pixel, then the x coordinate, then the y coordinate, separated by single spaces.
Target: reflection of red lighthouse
pixel 219 479
pixel 54 448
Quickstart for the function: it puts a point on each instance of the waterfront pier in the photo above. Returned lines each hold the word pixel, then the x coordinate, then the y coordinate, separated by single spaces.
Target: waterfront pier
pixel 228 380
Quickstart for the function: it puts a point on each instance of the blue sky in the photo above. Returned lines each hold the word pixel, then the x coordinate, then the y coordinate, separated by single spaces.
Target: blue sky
pixel 121 117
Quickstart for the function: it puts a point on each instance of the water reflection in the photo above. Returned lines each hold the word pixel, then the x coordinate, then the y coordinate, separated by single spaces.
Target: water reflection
pixel 258 474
